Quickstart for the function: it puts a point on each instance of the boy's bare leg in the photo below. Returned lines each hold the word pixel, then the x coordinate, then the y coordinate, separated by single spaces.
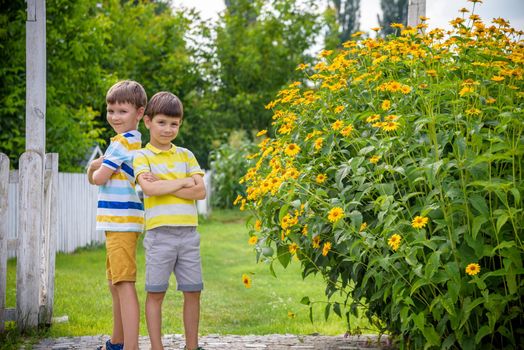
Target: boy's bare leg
pixel 130 314
pixel 154 319
pixel 118 331
pixel 191 318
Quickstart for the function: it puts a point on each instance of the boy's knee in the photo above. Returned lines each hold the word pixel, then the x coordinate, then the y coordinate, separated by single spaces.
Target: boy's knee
pixel 156 297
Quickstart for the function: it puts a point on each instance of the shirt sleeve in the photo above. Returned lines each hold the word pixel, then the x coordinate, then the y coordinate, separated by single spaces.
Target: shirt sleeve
pixel 115 155
pixel 140 164
pixel 193 167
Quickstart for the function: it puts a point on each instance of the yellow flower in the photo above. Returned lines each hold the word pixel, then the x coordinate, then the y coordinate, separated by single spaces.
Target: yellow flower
pixel 337 125
pixel 302 66
pixel 253 240
pixel 321 178
pixel 326 248
pixel 258 225
pixel 238 199
pixel 491 100
pixel 405 89
pixel 391 117
pixel 397 25
pixel 472 269
pixel 293 248
pixel 246 280
pixel 374 159
pixel 304 230
pixel 318 143
pixel 419 221
pixel 390 126
pixel 386 104
pixel 473 111
pixel 376 29
pixel 339 109
pixel 291 314
pixel 466 90
pixel 335 214
pixel 261 132
pixel 394 241
pixel 372 118
pixel 363 226
pixel 292 149
pixel 347 130
pixel 431 72
pixel 497 78
pixel 315 243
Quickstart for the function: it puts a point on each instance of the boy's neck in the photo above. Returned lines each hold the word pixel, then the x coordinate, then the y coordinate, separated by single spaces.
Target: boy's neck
pixel 162 147
pixel 123 132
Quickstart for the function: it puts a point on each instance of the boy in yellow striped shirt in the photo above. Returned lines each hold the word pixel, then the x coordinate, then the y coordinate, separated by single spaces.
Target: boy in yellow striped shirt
pixel 171 181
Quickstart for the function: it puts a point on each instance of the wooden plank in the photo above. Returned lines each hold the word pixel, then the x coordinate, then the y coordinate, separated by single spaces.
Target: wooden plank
pixel 47 282
pixel 4 187
pixel 416 8
pixel 35 76
pixel 29 234
pixel 13 176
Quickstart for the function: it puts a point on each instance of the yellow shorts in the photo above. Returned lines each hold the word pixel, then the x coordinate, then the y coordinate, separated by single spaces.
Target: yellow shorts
pixel 121 256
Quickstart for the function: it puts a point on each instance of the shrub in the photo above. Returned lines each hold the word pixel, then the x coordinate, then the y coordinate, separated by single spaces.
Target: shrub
pixel 397 175
pixel 228 163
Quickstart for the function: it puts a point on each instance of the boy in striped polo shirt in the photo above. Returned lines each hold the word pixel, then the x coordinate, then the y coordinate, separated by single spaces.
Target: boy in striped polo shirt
pixel 171 180
pixel 120 213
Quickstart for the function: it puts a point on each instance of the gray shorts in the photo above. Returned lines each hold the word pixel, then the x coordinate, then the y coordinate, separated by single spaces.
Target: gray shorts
pixel 173 249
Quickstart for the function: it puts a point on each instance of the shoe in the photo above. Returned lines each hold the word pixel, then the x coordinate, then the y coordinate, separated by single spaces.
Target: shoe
pixel 111 346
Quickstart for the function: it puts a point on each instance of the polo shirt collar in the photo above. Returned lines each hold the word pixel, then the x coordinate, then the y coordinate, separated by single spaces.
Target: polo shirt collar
pixel 157 150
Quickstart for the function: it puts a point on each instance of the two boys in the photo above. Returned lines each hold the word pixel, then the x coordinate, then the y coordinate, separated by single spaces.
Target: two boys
pixel 171 180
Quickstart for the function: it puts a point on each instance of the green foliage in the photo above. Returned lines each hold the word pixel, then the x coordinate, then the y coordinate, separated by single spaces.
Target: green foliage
pixel 397 175
pixel 347 14
pixel 228 163
pixel 257 48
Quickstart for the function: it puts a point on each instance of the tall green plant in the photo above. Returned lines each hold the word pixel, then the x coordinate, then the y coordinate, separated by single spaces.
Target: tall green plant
pixel 398 176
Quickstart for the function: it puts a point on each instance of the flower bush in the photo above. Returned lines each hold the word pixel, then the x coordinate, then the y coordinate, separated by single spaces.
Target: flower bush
pixel 396 174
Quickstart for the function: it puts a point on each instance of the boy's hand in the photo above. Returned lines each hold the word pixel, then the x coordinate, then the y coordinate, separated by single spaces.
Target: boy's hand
pixel 96 163
pixel 150 177
pixel 189 182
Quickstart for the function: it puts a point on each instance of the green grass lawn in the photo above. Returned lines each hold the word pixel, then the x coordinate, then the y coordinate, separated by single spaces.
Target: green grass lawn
pixel 228 307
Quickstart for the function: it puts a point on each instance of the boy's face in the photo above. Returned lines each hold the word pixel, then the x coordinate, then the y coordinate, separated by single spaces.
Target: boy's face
pixel 123 117
pixel 162 130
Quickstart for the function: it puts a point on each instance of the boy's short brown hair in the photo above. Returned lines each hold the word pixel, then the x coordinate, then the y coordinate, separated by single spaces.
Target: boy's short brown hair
pixel 127 91
pixel 165 103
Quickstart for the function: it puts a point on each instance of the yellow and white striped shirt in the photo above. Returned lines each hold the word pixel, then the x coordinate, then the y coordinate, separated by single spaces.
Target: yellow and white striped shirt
pixel 175 163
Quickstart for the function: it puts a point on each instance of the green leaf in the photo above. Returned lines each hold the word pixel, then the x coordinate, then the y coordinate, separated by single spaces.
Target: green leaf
pixel 336 309
pixel 501 220
pixel 283 211
pixel 284 256
pixel 419 320
pixel 479 203
pixel 305 301
pixel 481 333
pixel 419 283
pixel 477 224
pixel 432 337
pixel 327 310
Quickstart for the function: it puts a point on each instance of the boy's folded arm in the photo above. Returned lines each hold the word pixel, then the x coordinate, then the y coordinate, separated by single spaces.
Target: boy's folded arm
pixel 159 187
pixel 101 175
pixel 198 191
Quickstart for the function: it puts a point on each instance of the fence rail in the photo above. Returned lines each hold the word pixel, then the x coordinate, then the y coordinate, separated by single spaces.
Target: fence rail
pixel 77 201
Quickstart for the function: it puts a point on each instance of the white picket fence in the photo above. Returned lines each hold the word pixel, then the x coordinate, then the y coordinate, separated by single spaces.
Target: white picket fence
pixel 77 201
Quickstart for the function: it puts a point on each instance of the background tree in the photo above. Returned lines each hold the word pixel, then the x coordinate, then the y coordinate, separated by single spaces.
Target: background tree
pixel 256 57
pixel 342 18
pixel 393 11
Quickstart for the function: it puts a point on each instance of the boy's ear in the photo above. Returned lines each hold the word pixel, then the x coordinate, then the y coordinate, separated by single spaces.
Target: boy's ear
pixel 147 121
pixel 141 111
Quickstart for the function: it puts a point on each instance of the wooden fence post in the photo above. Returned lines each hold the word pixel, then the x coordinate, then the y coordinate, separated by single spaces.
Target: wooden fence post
pixel 416 8
pixel 29 239
pixel 48 243
pixel 4 188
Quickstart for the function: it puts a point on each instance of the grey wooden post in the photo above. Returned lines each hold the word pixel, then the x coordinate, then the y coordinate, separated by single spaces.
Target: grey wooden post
pixel 416 8
pixel 35 76
pixel 4 188
pixel 29 240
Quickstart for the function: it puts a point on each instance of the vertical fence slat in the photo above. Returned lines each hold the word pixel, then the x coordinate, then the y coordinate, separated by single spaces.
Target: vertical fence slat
pixel 29 233
pixel 4 191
